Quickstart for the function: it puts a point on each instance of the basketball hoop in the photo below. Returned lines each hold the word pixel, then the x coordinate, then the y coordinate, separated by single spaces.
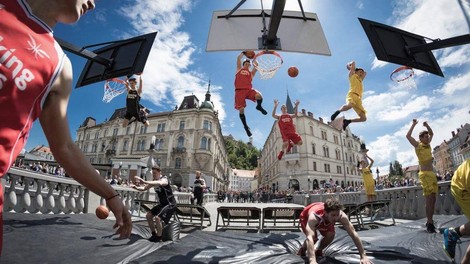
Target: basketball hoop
pixel 112 88
pixel 267 62
pixel 404 76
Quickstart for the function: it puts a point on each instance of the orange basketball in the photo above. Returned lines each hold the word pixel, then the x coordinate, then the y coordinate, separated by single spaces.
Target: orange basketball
pixel 102 212
pixel 293 71
pixel 250 54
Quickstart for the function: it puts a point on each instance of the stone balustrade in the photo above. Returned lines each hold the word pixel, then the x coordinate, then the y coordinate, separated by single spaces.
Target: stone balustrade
pixel 406 202
pixel 33 192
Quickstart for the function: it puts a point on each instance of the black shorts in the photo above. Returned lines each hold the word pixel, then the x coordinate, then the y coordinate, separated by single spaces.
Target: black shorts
pixel 164 212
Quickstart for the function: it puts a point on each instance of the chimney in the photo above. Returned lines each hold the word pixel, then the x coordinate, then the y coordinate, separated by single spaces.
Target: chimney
pixel 310 114
pixel 453 134
pixel 303 111
pixel 321 119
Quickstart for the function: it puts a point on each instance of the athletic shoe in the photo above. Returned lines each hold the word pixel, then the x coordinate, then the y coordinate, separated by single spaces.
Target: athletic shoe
pixel 248 131
pixel 430 228
pixel 333 116
pixel 450 241
pixel 261 109
pixel 346 123
pixel 289 147
pixel 279 156
pixel 155 238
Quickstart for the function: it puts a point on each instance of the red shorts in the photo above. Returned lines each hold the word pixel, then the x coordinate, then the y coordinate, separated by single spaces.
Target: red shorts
pixel 241 95
pixel 294 137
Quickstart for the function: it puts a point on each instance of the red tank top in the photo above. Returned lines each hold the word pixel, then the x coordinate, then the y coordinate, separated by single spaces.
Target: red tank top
pixel 318 209
pixel 243 79
pixel 25 43
pixel 286 124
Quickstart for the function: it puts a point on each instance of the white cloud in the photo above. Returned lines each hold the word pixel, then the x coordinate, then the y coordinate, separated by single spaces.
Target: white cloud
pixel 456 83
pixel 172 54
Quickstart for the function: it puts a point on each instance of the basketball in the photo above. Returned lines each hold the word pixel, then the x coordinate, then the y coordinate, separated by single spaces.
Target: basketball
pixel 293 71
pixel 250 54
pixel 102 212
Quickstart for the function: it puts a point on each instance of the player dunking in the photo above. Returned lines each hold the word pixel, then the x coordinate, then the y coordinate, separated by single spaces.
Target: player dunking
pixel 354 96
pixel 244 90
pixel 133 106
pixel 287 128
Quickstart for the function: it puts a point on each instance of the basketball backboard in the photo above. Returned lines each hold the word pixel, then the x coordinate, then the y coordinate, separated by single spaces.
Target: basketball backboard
pixel 126 57
pixel 395 45
pixel 242 29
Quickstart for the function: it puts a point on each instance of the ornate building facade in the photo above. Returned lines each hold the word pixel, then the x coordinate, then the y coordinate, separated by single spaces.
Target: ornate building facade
pixel 326 155
pixel 188 139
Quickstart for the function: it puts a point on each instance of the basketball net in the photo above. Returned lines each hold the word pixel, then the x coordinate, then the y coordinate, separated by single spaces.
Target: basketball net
pixel 112 88
pixel 404 76
pixel 267 63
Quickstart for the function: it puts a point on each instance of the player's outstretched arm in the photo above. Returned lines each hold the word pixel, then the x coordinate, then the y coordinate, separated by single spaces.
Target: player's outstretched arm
pixel 139 90
pixel 430 132
pixel 54 122
pixel 410 138
pixel 239 60
pixel 296 108
pixel 310 234
pixel 351 67
pixel 355 237
pixel 276 103
pixel 371 161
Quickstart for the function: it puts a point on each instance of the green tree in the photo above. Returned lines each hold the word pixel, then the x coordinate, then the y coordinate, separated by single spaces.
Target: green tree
pixel 241 155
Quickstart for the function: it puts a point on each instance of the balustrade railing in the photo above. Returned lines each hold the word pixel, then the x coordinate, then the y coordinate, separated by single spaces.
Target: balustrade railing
pixel 33 192
pixel 406 202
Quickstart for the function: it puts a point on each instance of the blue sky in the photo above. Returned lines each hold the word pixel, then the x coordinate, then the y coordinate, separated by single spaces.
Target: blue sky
pixel 178 65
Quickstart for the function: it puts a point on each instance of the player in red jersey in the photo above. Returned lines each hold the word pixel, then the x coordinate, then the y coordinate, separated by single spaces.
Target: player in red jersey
pixel 287 128
pixel 244 90
pixel 322 217
pixel 35 82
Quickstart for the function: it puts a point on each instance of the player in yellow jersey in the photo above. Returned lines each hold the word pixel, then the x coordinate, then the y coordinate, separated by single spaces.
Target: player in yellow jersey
pixel 354 96
pixel 460 189
pixel 364 166
pixel 426 175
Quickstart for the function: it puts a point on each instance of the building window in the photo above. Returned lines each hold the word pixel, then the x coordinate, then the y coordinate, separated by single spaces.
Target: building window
pixel 326 152
pixel 314 151
pixel 338 154
pixel 181 124
pixel 335 138
pixel 311 130
pixel 159 144
pixel 180 142
pixel 97 134
pixel 125 145
pixel 203 143
pixel 103 146
pixel 105 132
pixel 327 167
pixel 338 169
pixel 115 131
pixel 161 127
pixel 207 125
pixel 323 135
pixel 314 166
pixel 128 130
pixel 87 136
pixel 94 147
pixel 178 163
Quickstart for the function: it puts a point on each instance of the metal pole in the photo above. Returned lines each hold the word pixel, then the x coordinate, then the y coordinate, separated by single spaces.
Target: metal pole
pixel 342 154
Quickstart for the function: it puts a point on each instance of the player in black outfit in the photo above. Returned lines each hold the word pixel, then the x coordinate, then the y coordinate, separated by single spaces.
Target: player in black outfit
pixel 166 207
pixel 133 106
